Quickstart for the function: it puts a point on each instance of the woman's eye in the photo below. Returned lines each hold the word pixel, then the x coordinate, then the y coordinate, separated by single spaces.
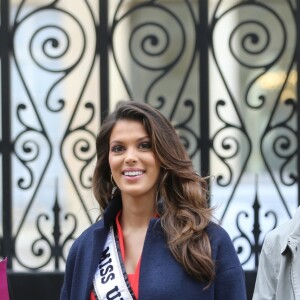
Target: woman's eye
pixel 117 148
pixel 145 145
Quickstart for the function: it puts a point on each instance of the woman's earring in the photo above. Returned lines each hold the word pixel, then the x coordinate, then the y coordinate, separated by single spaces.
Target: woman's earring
pixel 114 186
pixel 112 180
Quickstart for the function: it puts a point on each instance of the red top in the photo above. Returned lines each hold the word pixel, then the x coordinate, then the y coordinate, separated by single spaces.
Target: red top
pixel 133 278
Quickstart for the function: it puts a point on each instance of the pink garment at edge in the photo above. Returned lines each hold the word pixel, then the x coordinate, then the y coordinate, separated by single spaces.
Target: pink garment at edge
pixel 3 280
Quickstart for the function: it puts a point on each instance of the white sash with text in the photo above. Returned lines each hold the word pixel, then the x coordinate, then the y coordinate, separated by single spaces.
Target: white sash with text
pixel 109 281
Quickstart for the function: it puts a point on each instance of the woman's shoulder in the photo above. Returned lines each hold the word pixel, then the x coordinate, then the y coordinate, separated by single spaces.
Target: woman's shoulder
pixel 224 253
pixel 221 242
pixel 88 233
pixel 276 239
pixel 217 233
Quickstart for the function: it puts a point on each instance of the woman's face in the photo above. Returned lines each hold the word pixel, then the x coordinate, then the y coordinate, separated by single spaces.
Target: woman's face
pixel 134 166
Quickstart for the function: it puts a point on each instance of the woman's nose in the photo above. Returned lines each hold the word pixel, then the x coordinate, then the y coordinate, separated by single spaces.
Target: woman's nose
pixel 131 156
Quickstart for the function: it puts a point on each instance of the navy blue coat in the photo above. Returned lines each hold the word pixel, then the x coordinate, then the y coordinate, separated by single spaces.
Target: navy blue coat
pixel 161 276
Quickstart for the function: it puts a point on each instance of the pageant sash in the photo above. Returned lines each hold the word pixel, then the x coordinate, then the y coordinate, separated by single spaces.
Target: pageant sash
pixel 109 281
pixel 3 281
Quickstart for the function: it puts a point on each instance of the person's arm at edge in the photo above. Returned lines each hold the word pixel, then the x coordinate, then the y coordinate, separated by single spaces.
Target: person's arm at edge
pixel 265 284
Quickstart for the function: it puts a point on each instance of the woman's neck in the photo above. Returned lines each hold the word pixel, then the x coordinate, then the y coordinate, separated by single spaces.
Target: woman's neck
pixel 136 213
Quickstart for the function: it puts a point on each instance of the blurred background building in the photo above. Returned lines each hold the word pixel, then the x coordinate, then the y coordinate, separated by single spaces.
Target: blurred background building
pixel 223 71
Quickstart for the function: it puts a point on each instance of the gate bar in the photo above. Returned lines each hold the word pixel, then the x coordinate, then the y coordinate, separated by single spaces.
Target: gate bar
pixel 203 41
pixel 103 46
pixel 5 37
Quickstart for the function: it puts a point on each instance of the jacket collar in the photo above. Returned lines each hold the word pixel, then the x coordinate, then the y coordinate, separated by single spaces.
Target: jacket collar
pixel 292 238
pixel 111 211
pixel 99 239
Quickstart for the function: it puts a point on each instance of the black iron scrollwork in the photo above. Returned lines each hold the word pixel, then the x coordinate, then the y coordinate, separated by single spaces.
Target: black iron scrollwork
pixel 256 48
pixel 27 146
pixel 83 148
pixel 157 48
pixel 54 247
pixel 54 131
pixel 246 245
pixel 283 137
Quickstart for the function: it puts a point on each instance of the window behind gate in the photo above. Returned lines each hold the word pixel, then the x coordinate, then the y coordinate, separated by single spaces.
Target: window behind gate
pixel 224 73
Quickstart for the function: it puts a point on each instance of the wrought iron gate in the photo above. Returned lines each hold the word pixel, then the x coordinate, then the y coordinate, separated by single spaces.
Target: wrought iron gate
pixel 225 74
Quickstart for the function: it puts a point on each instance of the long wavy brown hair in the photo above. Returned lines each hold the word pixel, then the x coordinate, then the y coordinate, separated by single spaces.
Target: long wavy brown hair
pixel 182 193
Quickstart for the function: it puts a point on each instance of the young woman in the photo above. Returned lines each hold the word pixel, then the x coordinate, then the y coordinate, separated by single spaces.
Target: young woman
pixel 156 239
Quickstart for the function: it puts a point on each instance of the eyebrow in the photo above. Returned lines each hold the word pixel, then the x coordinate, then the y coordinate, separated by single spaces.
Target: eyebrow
pixel 138 140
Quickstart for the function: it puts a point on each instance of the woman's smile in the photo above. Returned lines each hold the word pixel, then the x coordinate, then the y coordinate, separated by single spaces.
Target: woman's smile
pixel 133 173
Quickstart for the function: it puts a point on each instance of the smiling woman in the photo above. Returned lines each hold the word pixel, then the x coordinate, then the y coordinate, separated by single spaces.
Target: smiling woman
pixel 156 239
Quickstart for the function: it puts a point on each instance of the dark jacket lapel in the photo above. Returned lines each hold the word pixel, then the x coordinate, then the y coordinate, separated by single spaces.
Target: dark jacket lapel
pixel 99 240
